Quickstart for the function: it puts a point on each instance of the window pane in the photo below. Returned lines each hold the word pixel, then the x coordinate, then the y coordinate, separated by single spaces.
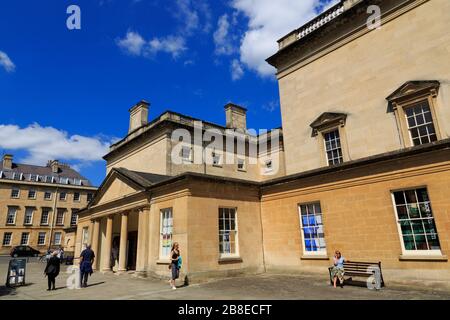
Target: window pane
pixel 417 227
pixel 402 212
pixel 433 242
pixel 406 227
pixel 413 210
pixel 409 242
pixel 429 226
pixel 421 242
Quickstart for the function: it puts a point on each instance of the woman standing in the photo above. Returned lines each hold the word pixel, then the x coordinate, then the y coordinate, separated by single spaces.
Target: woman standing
pixel 338 269
pixel 175 256
pixel 52 270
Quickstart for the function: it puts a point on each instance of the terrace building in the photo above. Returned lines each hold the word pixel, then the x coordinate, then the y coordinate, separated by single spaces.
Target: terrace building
pixel 39 205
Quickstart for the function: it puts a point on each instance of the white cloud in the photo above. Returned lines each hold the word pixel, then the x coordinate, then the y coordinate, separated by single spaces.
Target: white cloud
pixel 6 62
pixel 191 16
pixel 268 21
pixel 236 70
pixel 134 44
pixel 46 143
pixel 222 40
pixel 174 45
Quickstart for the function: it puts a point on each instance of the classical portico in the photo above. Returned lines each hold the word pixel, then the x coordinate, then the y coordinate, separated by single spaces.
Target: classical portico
pixel 115 240
pixel 118 223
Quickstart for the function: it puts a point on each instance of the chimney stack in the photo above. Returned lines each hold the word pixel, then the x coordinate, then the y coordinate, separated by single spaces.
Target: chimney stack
pixel 236 117
pixel 55 166
pixel 7 161
pixel 138 115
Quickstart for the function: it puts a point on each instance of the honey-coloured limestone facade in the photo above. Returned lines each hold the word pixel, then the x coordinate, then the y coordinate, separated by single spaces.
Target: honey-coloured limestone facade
pixel 39 205
pixel 364 163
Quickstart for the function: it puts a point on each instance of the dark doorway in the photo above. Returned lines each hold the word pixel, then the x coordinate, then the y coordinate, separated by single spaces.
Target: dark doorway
pixel 132 250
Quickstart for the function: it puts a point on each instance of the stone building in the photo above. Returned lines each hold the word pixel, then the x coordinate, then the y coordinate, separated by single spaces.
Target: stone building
pixel 38 205
pixel 363 165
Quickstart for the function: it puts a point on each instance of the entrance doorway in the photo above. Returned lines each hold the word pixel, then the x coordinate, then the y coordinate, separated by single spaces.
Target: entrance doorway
pixel 132 250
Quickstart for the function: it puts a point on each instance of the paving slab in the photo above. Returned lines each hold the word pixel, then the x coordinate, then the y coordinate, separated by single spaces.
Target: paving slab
pixel 259 287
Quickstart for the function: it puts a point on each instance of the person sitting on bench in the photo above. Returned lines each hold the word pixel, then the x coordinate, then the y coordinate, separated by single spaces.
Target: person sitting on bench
pixel 337 273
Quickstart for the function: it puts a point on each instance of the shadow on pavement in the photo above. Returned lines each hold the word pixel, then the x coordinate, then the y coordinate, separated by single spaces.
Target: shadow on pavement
pixel 96 284
pixel 5 291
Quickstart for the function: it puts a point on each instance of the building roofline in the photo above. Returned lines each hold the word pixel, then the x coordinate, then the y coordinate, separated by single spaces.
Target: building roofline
pixel 393 155
pixel 162 119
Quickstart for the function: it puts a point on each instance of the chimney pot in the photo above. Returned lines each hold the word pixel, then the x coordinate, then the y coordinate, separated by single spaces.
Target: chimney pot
pixel 236 117
pixel 138 115
pixel 7 161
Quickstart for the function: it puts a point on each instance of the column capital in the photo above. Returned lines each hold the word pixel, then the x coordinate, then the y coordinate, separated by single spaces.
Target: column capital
pixel 125 213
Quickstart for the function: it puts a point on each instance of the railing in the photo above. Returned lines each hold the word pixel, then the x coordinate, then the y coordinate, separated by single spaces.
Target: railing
pixel 320 21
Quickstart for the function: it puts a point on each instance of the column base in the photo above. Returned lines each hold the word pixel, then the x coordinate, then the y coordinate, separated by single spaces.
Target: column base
pixel 106 271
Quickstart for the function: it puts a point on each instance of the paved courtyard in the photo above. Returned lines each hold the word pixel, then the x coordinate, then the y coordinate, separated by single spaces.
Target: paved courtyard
pixel 261 287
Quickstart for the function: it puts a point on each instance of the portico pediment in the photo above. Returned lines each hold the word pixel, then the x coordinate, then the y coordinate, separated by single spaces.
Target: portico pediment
pixel 115 187
pixel 122 183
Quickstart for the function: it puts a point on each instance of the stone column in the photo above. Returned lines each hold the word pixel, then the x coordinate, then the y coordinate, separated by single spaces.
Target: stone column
pixel 94 241
pixel 123 243
pixel 143 241
pixel 108 245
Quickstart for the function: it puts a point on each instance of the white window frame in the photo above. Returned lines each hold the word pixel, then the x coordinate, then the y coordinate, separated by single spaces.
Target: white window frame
pixel 56 238
pixel 79 197
pixel 9 244
pixel 236 231
pixel 89 195
pixel 400 233
pixel 323 252
pixel 27 210
pixel 162 213
pixel 268 169
pixel 35 194
pixel 39 238
pixel 324 133
pixel 183 158
pixel 65 197
pixel 28 239
pixel 74 213
pixel 15 216
pixel 48 210
pixel 217 155
pixel 58 211
pixel 18 193
pixel 425 124
pixel 51 195
pixel 244 167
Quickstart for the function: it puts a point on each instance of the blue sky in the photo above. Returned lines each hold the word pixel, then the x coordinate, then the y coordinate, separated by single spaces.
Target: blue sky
pixel 66 93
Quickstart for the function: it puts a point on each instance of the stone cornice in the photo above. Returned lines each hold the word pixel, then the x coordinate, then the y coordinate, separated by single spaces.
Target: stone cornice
pixel 343 29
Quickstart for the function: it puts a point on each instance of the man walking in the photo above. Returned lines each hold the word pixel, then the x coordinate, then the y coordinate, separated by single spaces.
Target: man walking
pixel 86 261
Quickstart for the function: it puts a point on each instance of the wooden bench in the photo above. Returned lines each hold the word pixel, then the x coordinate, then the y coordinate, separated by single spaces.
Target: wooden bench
pixel 359 269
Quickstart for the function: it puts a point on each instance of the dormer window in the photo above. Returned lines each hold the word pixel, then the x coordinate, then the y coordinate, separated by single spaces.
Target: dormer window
pixel 329 128
pixel 413 105
pixel 33 178
pixel 1 174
